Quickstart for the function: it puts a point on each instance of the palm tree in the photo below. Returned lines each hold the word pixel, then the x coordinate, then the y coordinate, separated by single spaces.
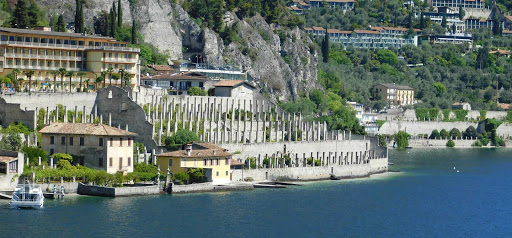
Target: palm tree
pixel 110 70
pixel 81 75
pixel 127 79
pixel 115 77
pixel 86 85
pixel 62 72
pixel 121 74
pixel 20 83
pixel 100 79
pixel 29 76
pixel 70 74
pixel 15 73
pixel 54 73
pixel 103 77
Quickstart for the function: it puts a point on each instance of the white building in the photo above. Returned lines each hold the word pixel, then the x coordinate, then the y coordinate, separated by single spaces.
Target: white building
pixel 240 89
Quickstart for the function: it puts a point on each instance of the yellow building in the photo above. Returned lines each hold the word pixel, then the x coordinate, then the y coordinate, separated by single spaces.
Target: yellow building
pixel 44 52
pixel 395 94
pixel 213 159
pixel 95 146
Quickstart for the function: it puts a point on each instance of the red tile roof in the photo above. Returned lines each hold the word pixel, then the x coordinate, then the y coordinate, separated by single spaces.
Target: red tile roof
pixel 161 67
pixel 84 129
pixel 231 83
pixel 180 76
pixel 206 150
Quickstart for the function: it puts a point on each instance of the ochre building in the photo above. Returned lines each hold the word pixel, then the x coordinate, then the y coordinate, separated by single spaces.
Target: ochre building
pixel 46 52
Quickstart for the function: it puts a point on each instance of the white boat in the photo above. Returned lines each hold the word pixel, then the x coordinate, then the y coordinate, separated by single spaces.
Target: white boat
pixel 27 196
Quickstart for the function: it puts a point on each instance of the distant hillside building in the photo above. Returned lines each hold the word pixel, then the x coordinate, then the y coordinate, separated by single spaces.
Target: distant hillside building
pixel 458 3
pixel 343 4
pixel 395 94
pixel 213 159
pixel 161 69
pixel 461 105
pixel 375 38
pixel 234 88
pixel 458 38
pixel 177 84
pixel 95 146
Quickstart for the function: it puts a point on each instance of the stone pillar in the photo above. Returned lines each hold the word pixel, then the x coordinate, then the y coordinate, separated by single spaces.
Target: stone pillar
pixel 109 119
pixel 257 121
pixel 269 127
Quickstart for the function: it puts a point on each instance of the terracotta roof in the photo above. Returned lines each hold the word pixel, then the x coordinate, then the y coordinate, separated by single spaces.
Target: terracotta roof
pixel 161 67
pixel 387 85
pixel 509 18
pixel 338 31
pixel 506 32
pixel 501 52
pixel 380 28
pixel 231 83
pixel 294 8
pixel 318 28
pixel 84 129
pixel 308 28
pixel 505 106
pixel 200 150
pixel 180 76
pixel 55 33
pixel 366 32
pixel 7 159
pixel 236 162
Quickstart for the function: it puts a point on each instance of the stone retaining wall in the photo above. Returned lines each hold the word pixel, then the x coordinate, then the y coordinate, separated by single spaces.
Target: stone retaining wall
pixel 424 127
pixel 439 143
pixel 51 100
pixel 312 173
pixel 116 192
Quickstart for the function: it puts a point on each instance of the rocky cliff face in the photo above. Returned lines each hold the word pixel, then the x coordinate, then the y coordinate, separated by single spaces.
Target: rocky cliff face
pixel 282 65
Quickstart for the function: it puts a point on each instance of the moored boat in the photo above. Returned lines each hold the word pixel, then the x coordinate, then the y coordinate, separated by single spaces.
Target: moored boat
pixel 27 196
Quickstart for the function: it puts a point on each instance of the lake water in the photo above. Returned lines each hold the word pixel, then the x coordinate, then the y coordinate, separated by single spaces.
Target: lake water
pixel 428 198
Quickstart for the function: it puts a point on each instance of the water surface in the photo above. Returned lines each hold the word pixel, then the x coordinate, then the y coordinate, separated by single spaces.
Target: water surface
pixel 428 198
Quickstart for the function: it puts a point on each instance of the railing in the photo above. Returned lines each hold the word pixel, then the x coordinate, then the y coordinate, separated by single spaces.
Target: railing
pixel 65 46
pixel 132 60
pixel 48 57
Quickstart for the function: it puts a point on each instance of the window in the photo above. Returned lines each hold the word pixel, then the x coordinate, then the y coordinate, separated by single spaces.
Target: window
pixel 63 140
pixel 123 106
pixel 120 162
pixel 226 173
pixel 100 142
pixel 70 140
pixel 111 141
pixel 195 162
pixel 82 140
pixel 52 151
pixel 129 161
pixel 52 140
pixel 120 141
pixel 217 161
pixel 129 141
pixel 217 173
pixel 170 162
pixel 205 162
pixel 100 162
pixel 226 161
pixel 211 161
pixel 110 161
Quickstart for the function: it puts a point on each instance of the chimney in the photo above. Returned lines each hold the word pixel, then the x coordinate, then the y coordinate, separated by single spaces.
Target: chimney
pixel 189 149
pixel 214 152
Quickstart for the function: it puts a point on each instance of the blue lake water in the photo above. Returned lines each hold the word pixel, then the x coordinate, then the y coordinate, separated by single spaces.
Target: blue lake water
pixel 428 198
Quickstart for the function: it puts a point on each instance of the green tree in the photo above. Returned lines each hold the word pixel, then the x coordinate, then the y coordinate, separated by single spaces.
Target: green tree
pixel 462 13
pixel 450 143
pixel 387 56
pixel 444 134
pixel 20 17
pixel 422 22
pixel 181 137
pixel 440 88
pixel 62 72
pixel 11 141
pixel 33 14
pixel 79 16
pixel 470 133
pixel 496 26
pixel 61 24
pixel 197 175
pixel 455 133
pixel 70 74
pixel 29 75
pixel 325 48
pixel 33 154
pixel 134 33
pixel 196 91
pixel 443 22
pixel 80 74
pixel 402 139
pixel 483 59
pixel 119 14
pixel 435 134
pixel 112 21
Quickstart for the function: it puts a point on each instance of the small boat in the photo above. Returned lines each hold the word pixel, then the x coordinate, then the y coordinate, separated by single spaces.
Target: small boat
pixel 333 177
pixel 27 196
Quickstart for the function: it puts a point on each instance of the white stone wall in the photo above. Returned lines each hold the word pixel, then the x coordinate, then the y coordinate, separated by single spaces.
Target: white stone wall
pixel 8 182
pixel 51 100
pixel 415 127
pixel 438 143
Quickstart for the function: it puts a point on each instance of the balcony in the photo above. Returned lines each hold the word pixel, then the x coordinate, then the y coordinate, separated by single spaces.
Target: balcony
pixel 43 57
pixel 63 46
pixel 122 60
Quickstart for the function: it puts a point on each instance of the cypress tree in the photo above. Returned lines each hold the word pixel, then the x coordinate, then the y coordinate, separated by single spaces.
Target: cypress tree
pixel 113 23
pixel 61 24
pixel 79 17
pixel 33 14
pixel 462 13
pixel 134 33
pixel 119 14
pixel 20 15
pixel 422 21
pixel 325 47
pixel 443 22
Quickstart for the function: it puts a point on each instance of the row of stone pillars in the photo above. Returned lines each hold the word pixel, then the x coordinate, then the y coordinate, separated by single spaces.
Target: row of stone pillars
pixel 278 160
pixel 210 121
